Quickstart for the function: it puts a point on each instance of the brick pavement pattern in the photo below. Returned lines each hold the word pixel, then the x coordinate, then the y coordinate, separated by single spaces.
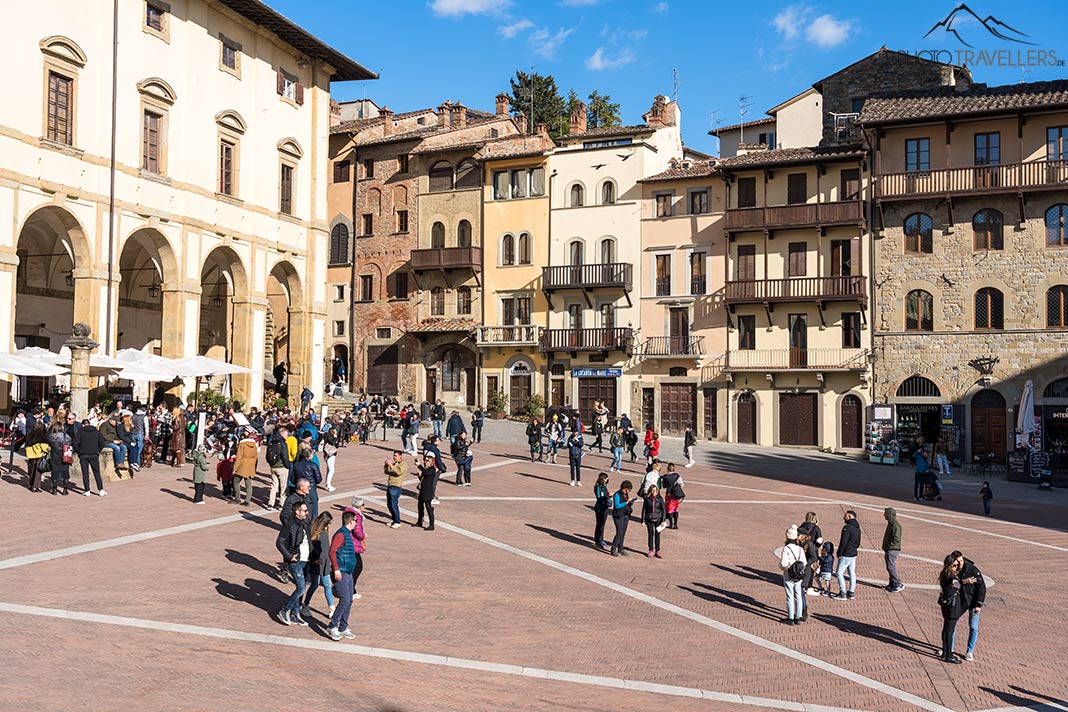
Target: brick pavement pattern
pixel 173 607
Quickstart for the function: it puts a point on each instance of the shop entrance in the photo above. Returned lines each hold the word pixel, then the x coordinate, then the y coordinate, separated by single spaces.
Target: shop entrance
pixel 915 422
pixel 592 389
pixel 988 425
pixel 747 428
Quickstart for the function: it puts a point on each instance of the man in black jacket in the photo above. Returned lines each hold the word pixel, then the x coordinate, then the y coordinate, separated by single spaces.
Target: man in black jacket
pixel 972 596
pixel 87 443
pixel 294 543
pixel 847 556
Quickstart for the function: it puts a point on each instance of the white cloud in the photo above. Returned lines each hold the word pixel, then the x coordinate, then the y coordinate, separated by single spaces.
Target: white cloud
pixel 545 43
pixel 510 31
pixel 828 31
pixel 659 8
pixel 599 61
pixel 790 20
pixel 459 8
pixel 614 35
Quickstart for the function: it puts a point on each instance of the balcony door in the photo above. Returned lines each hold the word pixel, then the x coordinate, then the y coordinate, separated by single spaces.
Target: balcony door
pixel 987 158
pixel 745 271
pixel 679 331
pixel 850 184
pixel 798 340
pixel 574 323
pixel 576 256
pixel 608 323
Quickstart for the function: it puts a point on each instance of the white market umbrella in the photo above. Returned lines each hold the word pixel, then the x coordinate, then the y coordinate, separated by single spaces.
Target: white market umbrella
pixel 142 366
pixel 1025 417
pixel 16 365
pixel 201 366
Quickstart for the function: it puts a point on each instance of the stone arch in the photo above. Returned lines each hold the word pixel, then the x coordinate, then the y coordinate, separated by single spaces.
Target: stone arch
pixel 400 197
pixel 148 275
pixel 157 88
pixel 232 120
pixel 291 146
pixel 287 327
pixel 64 48
pixel 941 392
pixel 374 201
pixel 839 402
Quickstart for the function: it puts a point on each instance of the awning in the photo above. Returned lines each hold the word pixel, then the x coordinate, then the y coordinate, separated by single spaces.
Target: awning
pixel 15 365
pixel 201 366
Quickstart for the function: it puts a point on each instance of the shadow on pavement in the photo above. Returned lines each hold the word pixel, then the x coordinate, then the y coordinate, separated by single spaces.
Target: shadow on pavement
pixel 569 538
pixel 740 601
pixel 879 634
pixel 179 495
pixel 539 477
pixel 751 573
pixel 254 592
pixel 243 559
pixel 1033 700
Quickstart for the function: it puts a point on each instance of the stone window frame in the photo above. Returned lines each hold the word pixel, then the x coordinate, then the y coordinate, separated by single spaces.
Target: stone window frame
pixel 919 291
pixel 339 327
pixel 660 195
pixel 157 98
pixel 164 8
pixel 225 42
pixel 1062 230
pixel 507 247
pixel 990 235
pixel 65 58
pixel 231 128
pixel 920 244
pixel 690 193
pixel 289 156
pixel 607 192
pixel 569 192
pixel 1062 291
pixel 1008 318
pixel 995 309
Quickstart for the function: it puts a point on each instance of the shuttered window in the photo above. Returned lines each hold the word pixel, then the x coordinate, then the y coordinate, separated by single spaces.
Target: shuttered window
pixel 341 171
pixel 851 330
pixel 226 167
pixel 60 109
pixel 463 300
pixel 798 259
pixel 745 269
pixel 747 192
pixel 841 258
pixel 796 188
pixel 286 190
pixel 537 181
pixel 339 245
pixel 747 333
pixel 150 143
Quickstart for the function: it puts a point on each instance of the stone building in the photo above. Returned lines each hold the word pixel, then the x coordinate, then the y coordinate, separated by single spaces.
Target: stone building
pixel 216 227
pixel 970 264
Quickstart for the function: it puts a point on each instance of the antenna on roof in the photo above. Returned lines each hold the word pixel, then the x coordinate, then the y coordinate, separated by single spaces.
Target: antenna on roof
pixel 713 124
pixel 744 102
pixel 675 84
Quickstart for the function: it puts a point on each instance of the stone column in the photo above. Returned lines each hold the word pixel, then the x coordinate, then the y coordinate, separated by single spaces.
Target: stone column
pixel 80 345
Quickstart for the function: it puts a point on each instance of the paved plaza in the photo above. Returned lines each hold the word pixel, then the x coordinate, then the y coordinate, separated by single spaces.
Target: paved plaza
pixel 142 601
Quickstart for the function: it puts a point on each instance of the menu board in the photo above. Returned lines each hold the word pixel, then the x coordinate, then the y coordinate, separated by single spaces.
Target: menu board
pixel 1018 467
pixel 1040 462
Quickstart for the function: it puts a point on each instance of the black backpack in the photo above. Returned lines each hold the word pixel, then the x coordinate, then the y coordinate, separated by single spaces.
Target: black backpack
pixel 275 448
pixel 796 572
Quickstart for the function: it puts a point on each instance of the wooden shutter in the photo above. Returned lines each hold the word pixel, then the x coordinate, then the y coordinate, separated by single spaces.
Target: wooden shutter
pixel 746 267
pixel 798 262
pixel 850 184
pixel 299 94
pixel 746 192
pixel 796 188
pixel 854 255
pixel 280 83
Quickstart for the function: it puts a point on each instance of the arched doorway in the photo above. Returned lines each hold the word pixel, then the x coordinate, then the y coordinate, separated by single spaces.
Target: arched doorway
pixel 283 339
pixel 339 366
pixel 988 424
pixel 851 422
pixel 747 419
pixel 145 263
pixel 226 322
pixel 520 379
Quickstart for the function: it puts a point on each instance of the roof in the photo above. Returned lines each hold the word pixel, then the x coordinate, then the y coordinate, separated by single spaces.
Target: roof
pixel 884 50
pixel 437 325
pixel 795 98
pixel 745 124
pixel 695 169
pixel 787 156
pixel 689 152
pixel 360 124
pixel 979 100
pixel 345 68
pixel 609 131
pixel 517 146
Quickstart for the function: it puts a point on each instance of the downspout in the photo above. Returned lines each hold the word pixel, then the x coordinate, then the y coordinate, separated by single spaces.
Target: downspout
pixel 486 174
pixel 352 268
pixel 549 261
pixel 111 175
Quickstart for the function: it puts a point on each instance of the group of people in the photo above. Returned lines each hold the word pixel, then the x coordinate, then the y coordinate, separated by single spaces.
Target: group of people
pixel 661 496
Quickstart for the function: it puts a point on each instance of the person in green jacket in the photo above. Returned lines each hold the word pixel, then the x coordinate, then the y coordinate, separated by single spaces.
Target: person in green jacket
pixel 200 471
pixel 892 548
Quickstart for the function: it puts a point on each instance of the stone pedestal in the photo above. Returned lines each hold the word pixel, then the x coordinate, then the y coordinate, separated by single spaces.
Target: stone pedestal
pixel 80 346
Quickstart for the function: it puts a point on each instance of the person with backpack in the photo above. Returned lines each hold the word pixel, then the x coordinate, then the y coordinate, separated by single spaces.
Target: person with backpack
pixel 653 515
pixel 574 457
pixel 793 564
pixel 534 432
pixel 689 440
pixel 306 397
pixel 477 421
pixel 651 478
pixel 602 503
pixel 671 486
pixel 346 562
pixel 455 426
pixel 919 476
pixel 277 456
pixel 556 437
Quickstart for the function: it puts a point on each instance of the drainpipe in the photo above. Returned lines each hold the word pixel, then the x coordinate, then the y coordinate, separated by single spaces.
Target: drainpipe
pixel 111 177
pixel 480 364
pixel 352 267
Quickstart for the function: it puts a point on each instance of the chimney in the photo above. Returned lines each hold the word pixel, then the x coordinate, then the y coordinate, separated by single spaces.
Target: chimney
pixel 443 114
pixel 657 115
pixel 503 105
pixel 542 129
pixel 459 116
pixel 521 122
pixel 387 123
pixel 577 122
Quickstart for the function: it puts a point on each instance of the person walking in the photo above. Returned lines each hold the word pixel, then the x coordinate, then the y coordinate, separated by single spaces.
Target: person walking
pixel 654 447
pixel 972 598
pixel 574 457
pixel 395 469
pixel 653 515
pixel 437 416
pixel 631 439
pixel 478 418
pixel 346 562
pixel 848 545
pixel 892 549
pixel 622 506
pixel 556 437
pixel 319 568
pixel 600 420
pixel 36 452
pixel 248 453
pixel 306 396
pixel 277 456
pixel 616 442
pixel 987 495
pixel 88 442
pixel 602 503
pixel 951 604
pixel 793 562
pixel 178 427
pixel 294 543
pixel 689 441
pixel 200 473
pixel 331 443
pixel 919 474
pixel 671 488
pixel 428 482
pixel 61 454
pixel 455 426
pixel 307 469
pixel 941 453
pixel 534 433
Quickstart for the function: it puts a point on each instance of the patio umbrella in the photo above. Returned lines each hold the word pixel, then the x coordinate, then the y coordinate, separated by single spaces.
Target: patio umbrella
pixel 15 365
pixel 1025 418
pixel 203 366
pixel 144 366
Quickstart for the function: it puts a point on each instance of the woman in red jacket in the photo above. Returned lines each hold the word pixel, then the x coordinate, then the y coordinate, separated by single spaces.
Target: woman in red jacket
pixel 654 445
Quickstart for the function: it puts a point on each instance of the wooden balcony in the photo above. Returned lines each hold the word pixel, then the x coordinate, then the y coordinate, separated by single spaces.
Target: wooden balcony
pixel 1004 178
pixel 619 275
pixel 797 360
pixel 780 217
pixel 661 346
pixel 615 339
pixel 797 289
pixel 440 258
pixel 521 335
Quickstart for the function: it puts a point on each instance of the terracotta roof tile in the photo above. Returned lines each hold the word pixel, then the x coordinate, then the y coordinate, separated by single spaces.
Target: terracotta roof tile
pixel 609 131
pixel 782 156
pixel 695 169
pixel 515 147
pixel 438 325
pixel 978 100
pixel 745 124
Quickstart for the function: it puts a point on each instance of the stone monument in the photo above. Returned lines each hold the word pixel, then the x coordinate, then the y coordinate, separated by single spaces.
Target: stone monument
pixel 80 344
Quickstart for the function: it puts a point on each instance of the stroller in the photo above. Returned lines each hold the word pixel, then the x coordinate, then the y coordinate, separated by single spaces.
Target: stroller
pixel 932 488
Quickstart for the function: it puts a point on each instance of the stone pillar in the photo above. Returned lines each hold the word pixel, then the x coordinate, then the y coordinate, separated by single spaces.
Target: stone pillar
pixel 250 326
pixel 80 345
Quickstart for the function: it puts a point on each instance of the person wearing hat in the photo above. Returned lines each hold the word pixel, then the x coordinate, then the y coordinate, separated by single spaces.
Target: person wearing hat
pixel 792 576
pixel 248 452
pixel 555 430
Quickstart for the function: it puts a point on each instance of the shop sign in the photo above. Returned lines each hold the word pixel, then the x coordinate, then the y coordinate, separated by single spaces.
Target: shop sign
pixel 1056 412
pixel 947 415
pixel 520 368
pixel 599 372
pixel 882 412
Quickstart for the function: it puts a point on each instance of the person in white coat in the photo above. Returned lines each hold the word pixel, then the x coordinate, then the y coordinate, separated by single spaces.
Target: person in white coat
pixel 792 576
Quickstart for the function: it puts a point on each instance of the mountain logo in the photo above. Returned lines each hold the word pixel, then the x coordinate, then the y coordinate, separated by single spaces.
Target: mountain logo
pixel 961 18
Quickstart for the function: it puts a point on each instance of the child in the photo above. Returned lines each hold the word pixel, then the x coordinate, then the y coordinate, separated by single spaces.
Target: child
pixel 224 472
pixel 987 494
pixel 823 583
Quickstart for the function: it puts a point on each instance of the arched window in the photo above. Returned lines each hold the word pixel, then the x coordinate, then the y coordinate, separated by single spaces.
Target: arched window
pixel 1057 307
pixel 918 230
pixel 919 311
pixel 524 249
pixel 467 175
pixel 1057 225
pixel 1057 389
pixel 608 193
pixel 463 300
pixel 508 250
pixel 608 251
pixel 987 229
pixel 988 398
pixel 437 235
pixel 339 244
pixel 989 309
pixel 437 301
pixel 576 253
pixel 918 387
pixel 463 234
pixel 450 370
pixel 441 176
pixel 578 196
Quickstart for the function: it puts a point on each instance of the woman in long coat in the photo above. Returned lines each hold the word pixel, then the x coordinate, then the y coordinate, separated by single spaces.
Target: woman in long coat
pixel 248 452
pixel 177 444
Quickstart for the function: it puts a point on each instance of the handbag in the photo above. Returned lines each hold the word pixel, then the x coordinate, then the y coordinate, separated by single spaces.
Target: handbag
pixel 68 454
pixel 44 463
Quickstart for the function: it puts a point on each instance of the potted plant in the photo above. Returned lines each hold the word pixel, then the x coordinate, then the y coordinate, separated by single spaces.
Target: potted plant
pixel 497 404
pixel 534 407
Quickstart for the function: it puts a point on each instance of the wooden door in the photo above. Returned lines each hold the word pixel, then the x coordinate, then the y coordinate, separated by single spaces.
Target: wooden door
pixel 648 409
pixel 519 394
pixel 492 386
pixel 382 369
pixel 678 407
pixel 679 331
pixel 431 385
pixel 596 389
pixel 851 421
pixel 556 393
pixel 745 267
pixel 472 379
pixel 798 340
pixel 747 419
pixel 797 419
pixel 710 413
pixel 850 184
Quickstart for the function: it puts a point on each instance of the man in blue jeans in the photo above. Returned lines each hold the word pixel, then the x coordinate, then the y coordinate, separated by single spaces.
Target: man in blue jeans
pixel 112 441
pixel 848 545
pixel 396 469
pixel 294 543
pixel 973 596
pixel 344 559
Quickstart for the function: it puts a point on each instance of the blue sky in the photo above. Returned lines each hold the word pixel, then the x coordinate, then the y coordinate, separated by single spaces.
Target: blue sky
pixel 466 50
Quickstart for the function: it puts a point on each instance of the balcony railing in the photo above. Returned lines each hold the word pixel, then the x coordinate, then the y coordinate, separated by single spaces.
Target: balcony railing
pixel 1035 175
pixel 615 339
pixel 844 212
pixel 520 335
pixel 672 346
pixel 798 359
pixel 663 287
pixel 697 285
pixel 447 258
pixel 612 274
pixel 796 289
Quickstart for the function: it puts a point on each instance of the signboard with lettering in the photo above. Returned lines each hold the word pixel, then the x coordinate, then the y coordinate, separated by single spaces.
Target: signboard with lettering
pixel 947 415
pixel 598 372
